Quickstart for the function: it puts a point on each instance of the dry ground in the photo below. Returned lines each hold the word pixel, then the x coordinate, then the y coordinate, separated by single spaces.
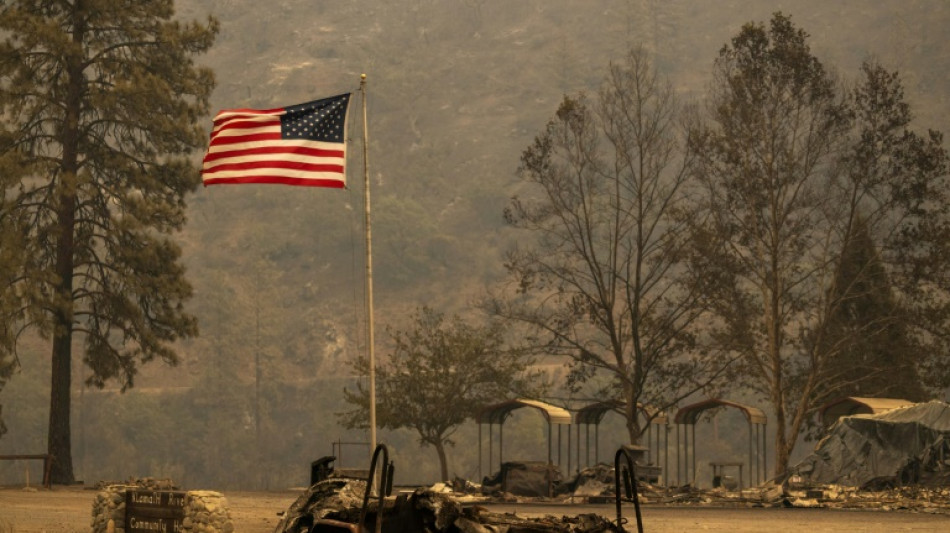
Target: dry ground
pixel 70 509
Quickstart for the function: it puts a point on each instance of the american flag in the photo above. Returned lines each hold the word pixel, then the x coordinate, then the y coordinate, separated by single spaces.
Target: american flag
pixel 302 144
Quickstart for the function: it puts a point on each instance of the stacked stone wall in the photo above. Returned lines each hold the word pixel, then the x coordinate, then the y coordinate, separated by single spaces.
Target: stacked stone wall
pixel 204 511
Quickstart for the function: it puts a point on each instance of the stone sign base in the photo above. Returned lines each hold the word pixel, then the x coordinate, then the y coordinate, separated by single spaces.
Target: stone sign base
pixel 201 511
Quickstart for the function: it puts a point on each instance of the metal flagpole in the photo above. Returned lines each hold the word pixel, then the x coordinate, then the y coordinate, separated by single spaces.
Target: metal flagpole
pixel 369 278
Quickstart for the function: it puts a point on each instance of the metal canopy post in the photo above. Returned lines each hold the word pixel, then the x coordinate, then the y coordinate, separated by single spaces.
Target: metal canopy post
pixel 597 444
pixel 666 453
pixel 501 442
pixel 756 463
pixel 491 445
pixel 569 464
pixel 558 447
pixel 694 455
pixel 677 454
pixel 549 442
pixel 578 451
pixel 587 444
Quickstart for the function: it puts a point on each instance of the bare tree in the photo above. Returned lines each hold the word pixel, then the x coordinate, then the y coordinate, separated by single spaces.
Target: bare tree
pixel 611 280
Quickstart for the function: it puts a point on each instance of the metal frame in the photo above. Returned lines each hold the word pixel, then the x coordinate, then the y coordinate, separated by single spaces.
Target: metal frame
pixel 628 474
pixel 689 415
pixel 498 413
pixel 594 413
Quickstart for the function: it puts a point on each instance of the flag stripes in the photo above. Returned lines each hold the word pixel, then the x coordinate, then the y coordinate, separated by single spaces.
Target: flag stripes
pixel 258 146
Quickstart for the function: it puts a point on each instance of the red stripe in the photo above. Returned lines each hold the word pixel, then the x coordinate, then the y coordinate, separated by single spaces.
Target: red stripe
pixel 331 183
pixel 254 112
pixel 243 124
pixel 216 135
pixel 246 138
pixel 286 149
pixel 292 165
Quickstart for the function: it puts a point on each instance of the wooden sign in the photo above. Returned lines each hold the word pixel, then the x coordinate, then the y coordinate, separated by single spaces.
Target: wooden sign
pixel 154 511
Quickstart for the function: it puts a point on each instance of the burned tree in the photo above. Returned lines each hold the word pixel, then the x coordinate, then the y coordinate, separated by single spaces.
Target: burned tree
pixel 608 273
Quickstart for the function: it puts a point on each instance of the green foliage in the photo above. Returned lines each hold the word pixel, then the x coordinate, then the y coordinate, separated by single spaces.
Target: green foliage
pixel 439 374
pixel 100 100
pixel 777 121
pixel 806 181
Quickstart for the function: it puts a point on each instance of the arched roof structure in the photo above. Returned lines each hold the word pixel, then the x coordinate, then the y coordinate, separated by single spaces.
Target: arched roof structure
pixel 691 413
pixel 594 413
pixel 854 405
pixel 498 413
pixel 756 419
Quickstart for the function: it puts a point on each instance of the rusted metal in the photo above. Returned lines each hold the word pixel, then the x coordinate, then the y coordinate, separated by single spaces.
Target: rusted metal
pixel 385 486
pixel 628 473
pixel 327 525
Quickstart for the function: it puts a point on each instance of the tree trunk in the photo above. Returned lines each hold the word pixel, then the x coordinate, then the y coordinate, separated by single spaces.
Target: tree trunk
pixel 631 411
pixel 781 438
pixel 59 443
pixel 443 461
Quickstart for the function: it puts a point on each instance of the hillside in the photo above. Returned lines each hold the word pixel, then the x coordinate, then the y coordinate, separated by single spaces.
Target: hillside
pixel 456 91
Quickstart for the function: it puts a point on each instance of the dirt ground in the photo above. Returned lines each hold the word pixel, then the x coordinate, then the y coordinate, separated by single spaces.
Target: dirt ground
pixel 70 510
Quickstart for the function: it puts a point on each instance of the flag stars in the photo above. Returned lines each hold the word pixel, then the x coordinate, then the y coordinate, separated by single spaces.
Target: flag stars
pixel 321 120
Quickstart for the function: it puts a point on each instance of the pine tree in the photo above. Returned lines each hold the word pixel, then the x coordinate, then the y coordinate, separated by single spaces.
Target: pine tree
pixel 100 101
pixel 877 357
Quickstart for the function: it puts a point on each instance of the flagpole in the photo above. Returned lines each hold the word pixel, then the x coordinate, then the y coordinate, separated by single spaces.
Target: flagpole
pixel 369 277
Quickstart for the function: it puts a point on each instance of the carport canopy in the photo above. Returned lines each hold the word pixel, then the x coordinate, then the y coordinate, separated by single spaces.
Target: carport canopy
pixel 498 413
pixel 756 418
pixel 594 413
pixel 854 405
pixel 691 413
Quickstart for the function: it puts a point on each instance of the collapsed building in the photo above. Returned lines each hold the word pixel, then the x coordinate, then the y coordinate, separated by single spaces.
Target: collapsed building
pixel 907 445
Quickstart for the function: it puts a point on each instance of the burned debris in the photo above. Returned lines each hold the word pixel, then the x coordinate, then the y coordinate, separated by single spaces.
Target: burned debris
pixel 904 446
pixel 334 503
pixel 895 460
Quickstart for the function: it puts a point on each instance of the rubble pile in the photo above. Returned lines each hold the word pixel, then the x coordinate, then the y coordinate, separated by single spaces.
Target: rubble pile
pixel 911 498
pixel 340 500
pixel 904 446
pixel 596 485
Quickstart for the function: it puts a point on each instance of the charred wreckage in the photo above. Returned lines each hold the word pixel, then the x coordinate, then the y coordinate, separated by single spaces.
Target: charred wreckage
pixel 898 459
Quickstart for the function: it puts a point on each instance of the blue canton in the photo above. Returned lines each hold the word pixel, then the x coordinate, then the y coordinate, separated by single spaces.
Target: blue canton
pixel 319 120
